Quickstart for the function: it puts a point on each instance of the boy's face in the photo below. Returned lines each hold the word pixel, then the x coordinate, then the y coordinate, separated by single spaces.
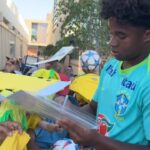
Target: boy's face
pixel 127 42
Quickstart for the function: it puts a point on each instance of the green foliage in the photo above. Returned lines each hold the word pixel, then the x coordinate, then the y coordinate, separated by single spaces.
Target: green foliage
pixel 49 50
pixel 83 24
pixel 63 42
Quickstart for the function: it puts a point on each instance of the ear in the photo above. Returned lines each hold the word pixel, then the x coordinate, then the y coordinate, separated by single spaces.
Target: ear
pixel 147 36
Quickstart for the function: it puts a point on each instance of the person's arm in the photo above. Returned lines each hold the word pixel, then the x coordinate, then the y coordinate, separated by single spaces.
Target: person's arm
pixel 31 144
pixel 89 137
pixel 106 143
pixel 6 129
pixel 93 106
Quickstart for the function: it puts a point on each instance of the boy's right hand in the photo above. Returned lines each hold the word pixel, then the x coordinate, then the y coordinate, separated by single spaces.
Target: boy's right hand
pixel 49 126
pixel 53 127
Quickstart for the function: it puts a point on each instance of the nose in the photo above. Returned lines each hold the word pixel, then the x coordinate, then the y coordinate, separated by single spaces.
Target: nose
pixel 113 42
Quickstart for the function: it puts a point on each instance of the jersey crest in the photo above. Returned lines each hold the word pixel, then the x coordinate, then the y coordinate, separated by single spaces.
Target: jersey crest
pixel 121 104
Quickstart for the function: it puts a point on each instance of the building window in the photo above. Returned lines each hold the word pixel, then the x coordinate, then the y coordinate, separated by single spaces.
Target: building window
pixel 12 49
pixel 34 32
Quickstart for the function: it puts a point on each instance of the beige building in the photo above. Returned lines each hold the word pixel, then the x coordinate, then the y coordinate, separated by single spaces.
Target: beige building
pixel 50 26
pixel 13 32
pixel 39 35
pixel 56 23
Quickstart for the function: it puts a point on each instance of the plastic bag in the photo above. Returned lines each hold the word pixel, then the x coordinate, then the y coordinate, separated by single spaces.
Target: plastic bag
pixel 50 109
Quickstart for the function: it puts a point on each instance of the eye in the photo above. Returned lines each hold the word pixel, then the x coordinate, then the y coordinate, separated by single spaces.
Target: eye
pixel 121 35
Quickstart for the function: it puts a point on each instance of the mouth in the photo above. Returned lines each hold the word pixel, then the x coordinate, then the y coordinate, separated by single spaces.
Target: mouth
pixel 114 53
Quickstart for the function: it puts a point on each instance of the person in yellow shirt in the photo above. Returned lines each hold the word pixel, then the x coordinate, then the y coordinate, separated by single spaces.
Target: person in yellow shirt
pixel 48 72
pixel 83 87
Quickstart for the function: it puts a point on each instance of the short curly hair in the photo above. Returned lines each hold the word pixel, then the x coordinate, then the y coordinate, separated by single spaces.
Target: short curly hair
pixel 133 12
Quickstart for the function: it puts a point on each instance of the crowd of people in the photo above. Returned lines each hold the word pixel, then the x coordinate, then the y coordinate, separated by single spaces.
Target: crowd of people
pixel 46 131
pixel 120 100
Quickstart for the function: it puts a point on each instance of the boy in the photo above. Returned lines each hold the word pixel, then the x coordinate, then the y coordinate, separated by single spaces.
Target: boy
pixel 123 95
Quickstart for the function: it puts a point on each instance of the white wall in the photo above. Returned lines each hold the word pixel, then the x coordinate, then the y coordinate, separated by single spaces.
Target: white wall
pixel 8 41
pixel 10 12
pixel 12 42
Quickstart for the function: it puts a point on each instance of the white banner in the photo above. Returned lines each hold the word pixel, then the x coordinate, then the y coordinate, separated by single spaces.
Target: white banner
pixel 64 51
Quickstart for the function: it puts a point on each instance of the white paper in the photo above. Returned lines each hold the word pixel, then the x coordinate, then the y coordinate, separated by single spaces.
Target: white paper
pixel 53 88
pixel 64 51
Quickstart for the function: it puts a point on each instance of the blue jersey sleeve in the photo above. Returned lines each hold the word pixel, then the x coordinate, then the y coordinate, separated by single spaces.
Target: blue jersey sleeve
pixel 96 95
pixel 102 74
pixel 145 108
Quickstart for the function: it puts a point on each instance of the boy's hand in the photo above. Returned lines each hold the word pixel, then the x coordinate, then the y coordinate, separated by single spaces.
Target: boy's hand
pixel 79 134
pixel 49 126
pixel 53 127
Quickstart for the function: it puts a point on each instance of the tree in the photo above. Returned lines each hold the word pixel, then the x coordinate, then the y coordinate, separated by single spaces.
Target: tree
pixel 49 50
pixel 82 23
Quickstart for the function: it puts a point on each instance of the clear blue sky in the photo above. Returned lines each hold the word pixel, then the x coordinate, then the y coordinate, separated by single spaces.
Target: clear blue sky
pixel 34 9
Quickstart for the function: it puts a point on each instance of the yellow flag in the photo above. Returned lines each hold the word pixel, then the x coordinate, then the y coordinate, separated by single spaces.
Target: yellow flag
pixel 17 82
pixel 15 142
